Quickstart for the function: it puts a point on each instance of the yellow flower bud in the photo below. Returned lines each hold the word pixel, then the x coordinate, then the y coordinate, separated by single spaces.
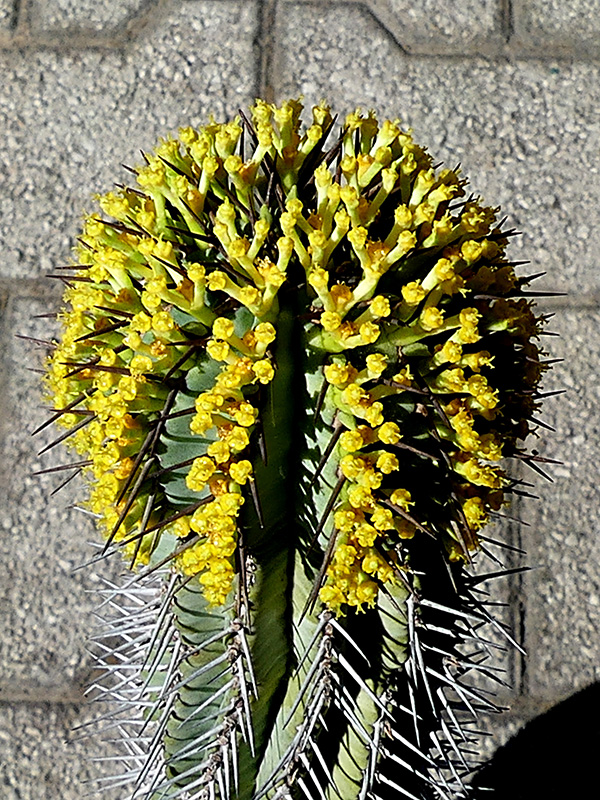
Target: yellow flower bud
pixel 413 293
pixel 351 441
pixel 387 463
pixel 376 364
pixel 217 349
pixel 217 281
pixel 265 333
pixel 240 471
pixel 162 322
pixel 380 306
pixel 264 371
pixel 331 320
pixel 402 499
pixel 431 318
pixel 369 332
pixel 223 328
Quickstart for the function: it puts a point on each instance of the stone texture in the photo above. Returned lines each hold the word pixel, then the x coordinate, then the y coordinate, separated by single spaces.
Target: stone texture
pixel 52 15
pixel 38 760
pixel 527 133
pixel 573 25
pixel 7 14
pixel 446 26
pixel 68 120
pixel 46 608
pixel 563 610
pixel 436 26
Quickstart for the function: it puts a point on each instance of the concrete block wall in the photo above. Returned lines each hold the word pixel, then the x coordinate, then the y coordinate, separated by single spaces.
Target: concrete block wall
pixel 509 90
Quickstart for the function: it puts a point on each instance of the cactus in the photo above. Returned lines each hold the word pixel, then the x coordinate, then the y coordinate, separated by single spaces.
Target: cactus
pixel 293 369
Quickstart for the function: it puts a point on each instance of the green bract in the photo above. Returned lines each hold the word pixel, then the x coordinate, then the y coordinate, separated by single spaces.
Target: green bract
pixel 290 367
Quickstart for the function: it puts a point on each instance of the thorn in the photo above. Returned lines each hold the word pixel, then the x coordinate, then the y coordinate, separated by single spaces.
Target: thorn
pixel 129 502
pixel 256 501
pixel 262 444
pixel 249 126
pixel 43 342
pixel 117 312
pixel 474 580
pixel 551 394
pixel 320 400
pixel 328 508
pixel 74 465
pixel 62 411
pixel 107 329
pixel 543 424
pixel 65 482
pixel 66 435
pixel 409 518
pixel 532 465
pixel 76 278
pixel 338 429
pixel 312 599
pixel 180 362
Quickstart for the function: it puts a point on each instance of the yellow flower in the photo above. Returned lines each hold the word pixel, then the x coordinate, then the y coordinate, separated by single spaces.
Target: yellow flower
pixel 140 364
pixel 413 293
pixel 380 306
pixel 345 520
pixel 341 295
pixel 366 592
pixel 217 349
pixel 201 470
pixel 141 323
pixel 376 364
pixel 366 534
pixel 223 328
pixel 219 451
pixel 369 332
pixel 265 333
pixel 350 441
pixel 330 320
pixel 237 438
pixel 389 433
pixel 244 415
pixel 432 318
pixel 402 499
pixel 332 596
pixel 240 471
pixel 475 513
pixel 339 374
pixel 216 281
pixel 361 498
pixel 387 463
pixel 450 352
pixel 264 371
pixel 128 387
pixel 403 377
pixel 382 519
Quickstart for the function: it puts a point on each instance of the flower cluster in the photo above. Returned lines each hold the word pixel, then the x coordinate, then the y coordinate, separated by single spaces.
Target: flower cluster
pixel 420 325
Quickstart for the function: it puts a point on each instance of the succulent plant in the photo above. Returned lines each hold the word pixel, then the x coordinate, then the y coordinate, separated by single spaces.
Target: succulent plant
pixel 293 368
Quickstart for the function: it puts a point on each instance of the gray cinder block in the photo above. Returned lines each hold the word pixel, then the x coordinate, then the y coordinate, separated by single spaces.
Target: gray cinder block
pixel 40 759
pixel 69 119
pixel 526 133
pixel 47 609
pixel 435 26
pixel 7 14
pixel 563 609
pixel 572 27
pixel 106 15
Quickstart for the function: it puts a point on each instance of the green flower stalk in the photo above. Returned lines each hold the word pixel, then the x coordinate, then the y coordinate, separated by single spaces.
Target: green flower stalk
pixel 293 368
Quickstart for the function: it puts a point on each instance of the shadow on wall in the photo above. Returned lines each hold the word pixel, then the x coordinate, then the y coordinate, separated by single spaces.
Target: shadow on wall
pixel 554 757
